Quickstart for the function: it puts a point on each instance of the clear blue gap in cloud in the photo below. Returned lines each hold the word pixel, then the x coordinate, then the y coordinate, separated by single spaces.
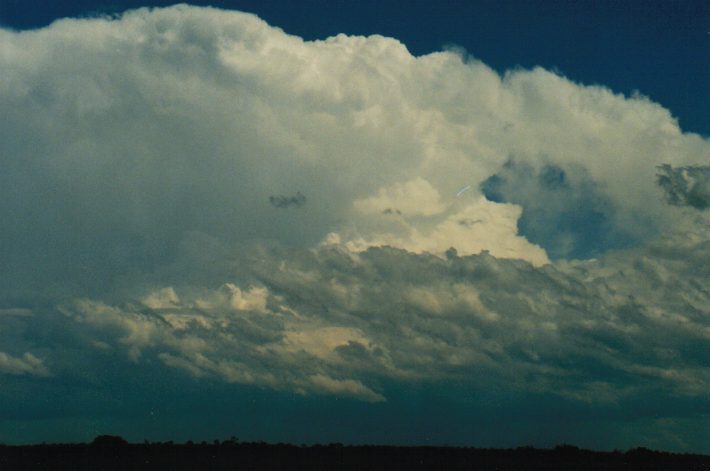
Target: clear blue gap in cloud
pixel 564 210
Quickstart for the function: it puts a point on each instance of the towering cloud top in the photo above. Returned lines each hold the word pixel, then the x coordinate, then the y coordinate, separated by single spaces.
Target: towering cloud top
pixel 122 135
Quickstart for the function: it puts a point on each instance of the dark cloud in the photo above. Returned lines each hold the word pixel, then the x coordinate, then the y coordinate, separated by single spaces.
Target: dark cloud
pixel 627 329
pixel 468 222
pixel 686 186
pixel 280 201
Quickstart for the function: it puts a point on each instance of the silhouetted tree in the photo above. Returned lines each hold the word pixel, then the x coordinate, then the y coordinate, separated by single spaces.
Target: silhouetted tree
pixel 109 441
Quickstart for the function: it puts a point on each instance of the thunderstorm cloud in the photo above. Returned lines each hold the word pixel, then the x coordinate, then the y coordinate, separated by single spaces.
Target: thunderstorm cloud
pixel 144 157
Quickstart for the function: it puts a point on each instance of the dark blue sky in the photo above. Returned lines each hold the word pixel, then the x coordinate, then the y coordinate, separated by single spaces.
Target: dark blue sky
pixel 660 48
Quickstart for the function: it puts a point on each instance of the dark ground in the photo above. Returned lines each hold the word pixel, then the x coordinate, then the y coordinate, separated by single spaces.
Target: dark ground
pixel 113 453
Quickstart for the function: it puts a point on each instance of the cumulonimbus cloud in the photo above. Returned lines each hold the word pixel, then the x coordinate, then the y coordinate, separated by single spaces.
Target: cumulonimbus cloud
pixel 124 135
pixel 146 156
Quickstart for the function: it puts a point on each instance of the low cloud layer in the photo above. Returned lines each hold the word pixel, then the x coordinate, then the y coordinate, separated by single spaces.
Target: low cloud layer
pixel 28 364
pixel 150 164
pixel 623 338
pixel 329 321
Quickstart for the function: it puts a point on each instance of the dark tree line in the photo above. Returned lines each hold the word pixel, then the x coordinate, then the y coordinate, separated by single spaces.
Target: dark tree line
pixel 114 453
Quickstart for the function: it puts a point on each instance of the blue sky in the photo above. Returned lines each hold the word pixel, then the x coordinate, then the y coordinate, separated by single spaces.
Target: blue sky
pixel 251 224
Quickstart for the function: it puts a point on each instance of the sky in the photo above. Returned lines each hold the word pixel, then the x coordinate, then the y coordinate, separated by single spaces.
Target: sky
pixel 449 223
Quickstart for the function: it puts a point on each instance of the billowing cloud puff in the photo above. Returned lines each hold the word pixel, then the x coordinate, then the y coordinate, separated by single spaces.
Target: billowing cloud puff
pixel 413 198
pixel 124 135
pixel 478 225
pixel 155 168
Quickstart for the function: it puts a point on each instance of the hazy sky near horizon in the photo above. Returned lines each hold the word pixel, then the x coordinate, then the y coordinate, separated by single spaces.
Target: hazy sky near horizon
pixel 218 224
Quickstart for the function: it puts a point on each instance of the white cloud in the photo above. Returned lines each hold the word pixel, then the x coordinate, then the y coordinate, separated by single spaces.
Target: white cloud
pixel 472 228
pixel 161 299
pixel 321 342
pixel 346 387
pixel 251 300
pixel 127 135
pixel 27 364
pixel 413 198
